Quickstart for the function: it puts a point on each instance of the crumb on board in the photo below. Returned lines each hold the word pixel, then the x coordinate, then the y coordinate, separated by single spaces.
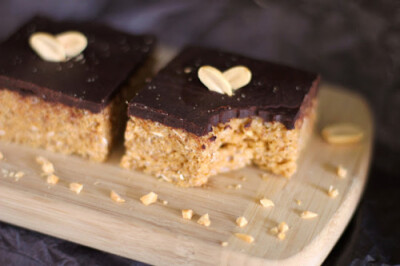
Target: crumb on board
pixel 149 198
pixel 187 214
pixel 264 176
pixel 283 227
pixel 204 220
pixel 298 202
pixel 76 187
pixel 341 171
pixel 164 202
pixel 243 178
pixel 224 244
pixel 116 197
pixel 281 236
pixel 241 221
pixel 52 179
pixel 308 215
pixel 47 166
pixel 266 203
pixel 245 237
pixel 333 192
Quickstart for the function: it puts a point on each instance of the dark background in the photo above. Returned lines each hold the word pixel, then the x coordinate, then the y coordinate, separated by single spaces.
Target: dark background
pixel 354 43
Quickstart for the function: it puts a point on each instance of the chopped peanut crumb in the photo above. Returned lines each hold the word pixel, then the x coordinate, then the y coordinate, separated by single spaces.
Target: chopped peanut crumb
pixel 19 174
pixel 333 192
pixel 11 174
pixel 264 177
pixel 308 215
pixel 187 214
pixel 243 178
pixel 299 202
pixel 47 166
pixel 245 237
pixel 76 187
pixel 115 197
pixel 283 227
pixel 224 244
pixel 241 221
pixel 149 198
pixel 341 171
pixel 238 186
pixel 274 230
pixel 52 179
pixel 1 156
pixel 281 236
pixel 164 202
pixel 204 220
pixel 267 203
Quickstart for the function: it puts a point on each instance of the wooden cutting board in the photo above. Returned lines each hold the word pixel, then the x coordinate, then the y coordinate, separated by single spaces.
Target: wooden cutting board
pixel 157 234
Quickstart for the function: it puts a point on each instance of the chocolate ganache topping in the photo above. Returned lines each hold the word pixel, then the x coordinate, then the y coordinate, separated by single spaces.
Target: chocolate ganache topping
pixel 177 98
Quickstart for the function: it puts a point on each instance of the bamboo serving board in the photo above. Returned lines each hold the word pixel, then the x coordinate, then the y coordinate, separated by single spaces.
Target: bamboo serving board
pixel 157 234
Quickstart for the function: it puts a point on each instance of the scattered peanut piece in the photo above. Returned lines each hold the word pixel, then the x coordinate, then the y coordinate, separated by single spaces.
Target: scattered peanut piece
pixel 1 156
pixel 204 220
pixel 274 230
pixel 267 203
pixel 238 186
pixel 299 202
pixel 243 178
pixel 115 197
pixel 149 198
pixel 187 214
pixel 52 179
pixel 342 133
pixel 241 221
pixel 283 227
pixel 308 215
pixel 76 187
pixel 18 175
pixel 264 177
pixel 341 171
pixel 224 244
pixel 164 202
pixel 281 236
pixel 47 166
pixel 11 174
pixel 245 237
pixel 333 192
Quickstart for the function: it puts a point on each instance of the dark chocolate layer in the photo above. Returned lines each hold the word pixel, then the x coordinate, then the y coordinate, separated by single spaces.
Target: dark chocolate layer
pixel 89 82
pixel 177 98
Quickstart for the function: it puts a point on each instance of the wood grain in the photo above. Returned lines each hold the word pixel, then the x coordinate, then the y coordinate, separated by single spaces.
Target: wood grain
pixel 157 234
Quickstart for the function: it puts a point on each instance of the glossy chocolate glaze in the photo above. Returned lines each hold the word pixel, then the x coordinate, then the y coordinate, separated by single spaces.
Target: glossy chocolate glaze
pixel 177 98
pixel 87 82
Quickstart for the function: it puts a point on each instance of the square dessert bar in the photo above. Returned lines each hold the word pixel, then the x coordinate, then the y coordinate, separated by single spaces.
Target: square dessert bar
pixel 184 133
pixel 76 106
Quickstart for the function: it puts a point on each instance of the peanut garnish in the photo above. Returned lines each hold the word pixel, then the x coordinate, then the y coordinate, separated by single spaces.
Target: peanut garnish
pixel 342 134
pixel 187 214
pixel 298 202
pixel 73 42
pixel 76 187
pixel 164 202
pixel 149 198
pixel 308 215
pixel 52 179
pixel 241 221
pixel 245 237
pixel 341 171
pixel 267 203
pixel 280 230
pixel 283 227
pixel 204 220
pixel 333 192
pixel 18 175
pixel 116 197
pixel 238 76
pixel 281 236
pixel 213 79
pixel 47 47
pixel 224 244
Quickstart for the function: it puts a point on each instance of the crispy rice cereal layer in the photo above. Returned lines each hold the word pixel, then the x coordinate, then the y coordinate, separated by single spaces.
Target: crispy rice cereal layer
pixel 186 159
pixel 29 120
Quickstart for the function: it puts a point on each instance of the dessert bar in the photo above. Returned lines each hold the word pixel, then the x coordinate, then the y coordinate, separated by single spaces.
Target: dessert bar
pixel 183 132
pixel 70 105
